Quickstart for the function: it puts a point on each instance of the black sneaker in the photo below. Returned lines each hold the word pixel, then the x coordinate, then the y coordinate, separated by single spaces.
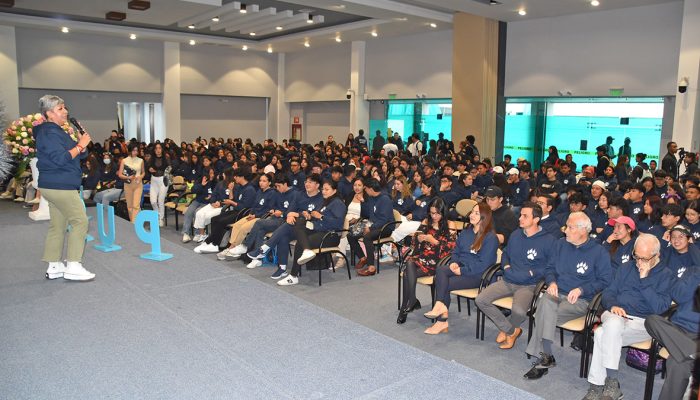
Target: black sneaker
pixel 535 372
pixel 546 361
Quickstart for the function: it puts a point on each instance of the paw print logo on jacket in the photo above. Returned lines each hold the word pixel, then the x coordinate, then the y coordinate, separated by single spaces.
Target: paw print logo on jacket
pixel 517 190
pixel 531 254
pixel 311 207
pixel 636 210
pixel 294 182
pixel 262 202
pixel 625 258
pixel 399 202
pixel 680 272
pixel 696 235
pixel 285 204
pixel 581 268
pixel 240 196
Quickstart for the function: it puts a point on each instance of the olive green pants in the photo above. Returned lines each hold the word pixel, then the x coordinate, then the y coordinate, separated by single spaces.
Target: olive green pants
pixel 66 208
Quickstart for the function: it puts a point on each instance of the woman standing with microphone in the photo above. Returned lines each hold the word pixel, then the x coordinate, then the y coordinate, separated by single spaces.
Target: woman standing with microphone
pixel 59 180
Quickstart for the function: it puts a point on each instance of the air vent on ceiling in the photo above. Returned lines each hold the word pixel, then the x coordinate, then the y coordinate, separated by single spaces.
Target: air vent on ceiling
pixel 115 16
pixel 140 5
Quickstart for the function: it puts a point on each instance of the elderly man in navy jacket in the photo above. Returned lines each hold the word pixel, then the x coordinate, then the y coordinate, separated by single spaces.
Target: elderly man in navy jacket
pixel 524 261
pixel 578 269
pixel 636 292
pixel 679 335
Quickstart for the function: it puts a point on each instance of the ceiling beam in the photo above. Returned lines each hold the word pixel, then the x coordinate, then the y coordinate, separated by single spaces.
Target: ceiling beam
pixel 236 17
pixel 327 31
pixel 262 20
pixel 234 6
pixel 318 19
pixel 264 25
pixel 402 8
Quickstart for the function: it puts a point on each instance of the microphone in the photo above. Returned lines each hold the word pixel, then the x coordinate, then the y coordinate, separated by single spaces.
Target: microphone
pixel 76 124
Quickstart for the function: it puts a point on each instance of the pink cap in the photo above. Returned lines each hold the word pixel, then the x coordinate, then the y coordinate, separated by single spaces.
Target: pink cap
pixel 623 220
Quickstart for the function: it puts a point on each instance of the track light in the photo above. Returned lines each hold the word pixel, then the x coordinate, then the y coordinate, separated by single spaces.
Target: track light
pixel 310 20
pixel 433 25
pixel 522 12
pixel 65 29
pixel 243 9
pixel 374 34
pixel 215 19
pixel 307 44
pixel 190 26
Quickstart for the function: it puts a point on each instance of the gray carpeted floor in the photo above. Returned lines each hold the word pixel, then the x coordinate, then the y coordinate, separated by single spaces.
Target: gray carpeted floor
pixel 197 327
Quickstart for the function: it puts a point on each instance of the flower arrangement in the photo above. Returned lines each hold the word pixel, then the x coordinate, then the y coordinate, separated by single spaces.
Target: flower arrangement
pixel 20 140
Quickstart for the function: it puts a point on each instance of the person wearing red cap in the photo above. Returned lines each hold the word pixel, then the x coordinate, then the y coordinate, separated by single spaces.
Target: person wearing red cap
pixel 620 243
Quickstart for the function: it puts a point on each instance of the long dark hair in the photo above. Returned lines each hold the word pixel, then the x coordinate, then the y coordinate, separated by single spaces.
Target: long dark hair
pixel 615 244
pixel 485 226
pixel 443 226
pixel 656 204
pixel 334 185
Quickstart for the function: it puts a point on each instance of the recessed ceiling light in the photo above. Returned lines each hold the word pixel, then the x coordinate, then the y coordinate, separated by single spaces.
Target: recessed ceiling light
pixel 190 26
pixel 338 39
pixel 192 42
pixel 310 20
pixel 269 50
pixel 401 19
pixel 374 34
pixel 65 29
pixel 494 2
pixel 433 25
pixel 279 28
pixel 244 47
pixel 215 19
pixel 132 36
pixel 522 11
pixel 243 9
pixel 307 44
pixel 252 33
pixel 595 3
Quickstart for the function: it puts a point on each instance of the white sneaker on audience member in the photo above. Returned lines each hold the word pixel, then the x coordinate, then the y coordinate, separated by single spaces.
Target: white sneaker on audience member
pixel 254 264
pixel 19 199
pixel 221 256
pixel 339 262
pixel 239 250
pixel 306 256
pixel 186 238
pixel 6 195
pixel 201 238
pixel 206 248
pixel 75 272
pixel 288 281
pixel 161 223
pixel 35 200
pixel 55 270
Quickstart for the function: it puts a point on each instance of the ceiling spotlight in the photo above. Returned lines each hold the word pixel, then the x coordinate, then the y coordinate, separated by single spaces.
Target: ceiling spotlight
pixel 243 9
pixel 269 49
pixel 310 20
pixel 215 19
pixel 595 3
pixel 252 33
pixel 279 28
pixel 190 26
pixel 338 39
pixel 244 48
pixel 494 2
pixel 374 34
pixel 65 29
pixel 192 42
pixel 433 25
pixel 522 11
pixel 307 44
pixel 132 36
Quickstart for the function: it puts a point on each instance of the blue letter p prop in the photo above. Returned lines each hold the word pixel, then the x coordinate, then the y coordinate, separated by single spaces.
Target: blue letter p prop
pixel 151 237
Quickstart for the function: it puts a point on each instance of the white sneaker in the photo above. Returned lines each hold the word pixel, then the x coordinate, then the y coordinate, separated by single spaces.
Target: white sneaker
pixel 221 256
pixel 239 250
pixel 55 270
pixel 254 264
pixel 75 272
pixel 306 256
pixel 161 223
pixel 35 200
pixel 288 281
pixel 6 195
pixel 206 248
pixel 200 238
pixel 186 238
pixel 19 199
pixel 339 262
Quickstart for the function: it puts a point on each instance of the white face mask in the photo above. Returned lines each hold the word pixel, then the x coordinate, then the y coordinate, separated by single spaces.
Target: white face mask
pixel 107 161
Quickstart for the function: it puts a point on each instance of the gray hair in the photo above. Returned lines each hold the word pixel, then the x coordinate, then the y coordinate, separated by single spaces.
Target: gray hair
pixel 650 240
pixel 48 102
pixel 582 220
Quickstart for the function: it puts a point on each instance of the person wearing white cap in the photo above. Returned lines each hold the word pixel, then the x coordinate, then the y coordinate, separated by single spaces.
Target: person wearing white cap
pixel 597 189
pixel 520 189
pixel 498 170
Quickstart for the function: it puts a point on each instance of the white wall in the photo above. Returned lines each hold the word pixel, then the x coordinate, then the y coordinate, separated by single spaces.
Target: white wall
pixel 634 48
pixel 409 65
pixel 221 116
pixel 321 74
pixel 322 119
pixel 97 111
pixel 74 61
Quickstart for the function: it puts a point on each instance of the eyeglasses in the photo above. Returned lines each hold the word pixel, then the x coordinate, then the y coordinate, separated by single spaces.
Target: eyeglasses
pixel 643 260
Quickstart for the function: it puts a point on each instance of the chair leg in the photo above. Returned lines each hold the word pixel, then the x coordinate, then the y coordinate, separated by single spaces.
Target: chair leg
pixel 398 295
pixel 582 372
pixel 432 295
pixel 651 370
pixel 377 256
pixel 483 323
pixel 530 324
pixel 477 320
pixel 347 265
pixel 459 304
pixel 469 307
pixel 561 337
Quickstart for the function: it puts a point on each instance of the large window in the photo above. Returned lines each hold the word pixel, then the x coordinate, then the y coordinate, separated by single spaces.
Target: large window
pixel 427 117
pixel 577 126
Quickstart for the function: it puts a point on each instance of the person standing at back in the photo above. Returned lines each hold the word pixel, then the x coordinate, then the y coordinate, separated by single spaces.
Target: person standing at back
pixel 669 163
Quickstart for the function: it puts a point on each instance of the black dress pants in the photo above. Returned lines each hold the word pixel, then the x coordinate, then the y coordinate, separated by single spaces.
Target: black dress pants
pixel 219 225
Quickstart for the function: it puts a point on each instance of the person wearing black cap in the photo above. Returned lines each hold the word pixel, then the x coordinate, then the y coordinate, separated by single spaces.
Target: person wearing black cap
pixel 603 160
pixel 609 150
pixel 504 221
pixel 682 255
pixel 625 149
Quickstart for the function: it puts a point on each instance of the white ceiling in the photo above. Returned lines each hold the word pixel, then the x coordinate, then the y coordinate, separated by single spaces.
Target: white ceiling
pixel 348 19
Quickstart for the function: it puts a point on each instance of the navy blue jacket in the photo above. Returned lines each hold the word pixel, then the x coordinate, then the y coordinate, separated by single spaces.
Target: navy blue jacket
pixel 622 256
pixel 57 169
pixel 333 216
pixel 245 196
pixel 265 201
pixel 297 180
pixel 639 297
pixel 586 266
pixel 221 192
pixel 465 192
pixel 683 293
pixel 678 263
pixel 525 258
pixel 286 199
pixel 567 180
pixel 482 182
pixel 378 210
pixel 404 205
pixel 203 193
pixel 304 202
pixel 474 262
pixel 420 210
pixel 520 191
pixel 450 198
pixel 345 188
pixel 552 225
pixel 636 210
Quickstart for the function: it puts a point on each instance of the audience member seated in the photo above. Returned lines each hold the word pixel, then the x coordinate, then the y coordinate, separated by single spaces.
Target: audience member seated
pixel 682 254
pixel 620 243
pixel 504 221
pixel 203 190
pixel 222 191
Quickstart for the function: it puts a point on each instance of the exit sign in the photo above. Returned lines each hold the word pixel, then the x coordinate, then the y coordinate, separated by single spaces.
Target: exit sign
pixel 616 91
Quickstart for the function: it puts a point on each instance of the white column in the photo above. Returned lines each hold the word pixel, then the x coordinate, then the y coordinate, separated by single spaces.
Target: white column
pixel 9 84
pixel 359 107
pixel 283 125
pixel 171 91
pixel 686 122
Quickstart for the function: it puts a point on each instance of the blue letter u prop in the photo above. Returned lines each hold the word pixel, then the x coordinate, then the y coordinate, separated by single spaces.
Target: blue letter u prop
pixel 106 239
pixel 152 236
